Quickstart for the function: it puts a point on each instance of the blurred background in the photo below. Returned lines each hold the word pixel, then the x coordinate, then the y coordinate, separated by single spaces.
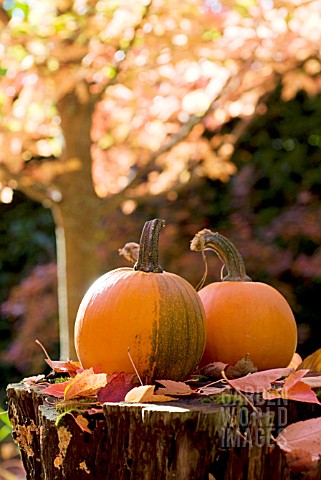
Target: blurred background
pixel 114 113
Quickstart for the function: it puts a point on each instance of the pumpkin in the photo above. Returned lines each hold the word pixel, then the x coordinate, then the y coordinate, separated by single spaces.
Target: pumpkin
pixel 141 318
pixel 242 316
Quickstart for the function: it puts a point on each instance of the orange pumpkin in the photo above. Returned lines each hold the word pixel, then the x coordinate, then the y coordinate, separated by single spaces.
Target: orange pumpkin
pixel 243 317
pixel 154 315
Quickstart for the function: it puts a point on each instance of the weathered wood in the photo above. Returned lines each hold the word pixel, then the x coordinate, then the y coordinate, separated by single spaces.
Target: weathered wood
pixel 182 440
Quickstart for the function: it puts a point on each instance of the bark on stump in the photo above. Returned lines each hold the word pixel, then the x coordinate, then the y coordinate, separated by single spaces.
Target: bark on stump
pixel 182 440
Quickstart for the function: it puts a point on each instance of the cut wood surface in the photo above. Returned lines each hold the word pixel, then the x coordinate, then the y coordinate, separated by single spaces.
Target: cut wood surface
pixel 181 440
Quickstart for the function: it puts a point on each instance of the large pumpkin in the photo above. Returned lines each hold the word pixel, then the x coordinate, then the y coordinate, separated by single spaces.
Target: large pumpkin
pixel 243 317
pixel 142 316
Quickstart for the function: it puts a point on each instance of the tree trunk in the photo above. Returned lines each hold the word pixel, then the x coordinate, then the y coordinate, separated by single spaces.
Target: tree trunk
pixel 77 217
pixel 181 440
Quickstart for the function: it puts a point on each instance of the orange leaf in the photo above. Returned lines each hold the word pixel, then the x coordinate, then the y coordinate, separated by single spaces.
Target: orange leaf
pixel 312 362
pixel 82 422
pixel 145 394
pixel 296 360
pixel 85 384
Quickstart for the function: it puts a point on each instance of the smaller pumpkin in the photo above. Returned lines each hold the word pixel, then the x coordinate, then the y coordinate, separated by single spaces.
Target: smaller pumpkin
pixel 156 316
pixel 243 317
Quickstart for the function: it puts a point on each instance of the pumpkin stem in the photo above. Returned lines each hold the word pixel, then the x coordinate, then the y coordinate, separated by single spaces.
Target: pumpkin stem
pixel 226 251
pixel 148 247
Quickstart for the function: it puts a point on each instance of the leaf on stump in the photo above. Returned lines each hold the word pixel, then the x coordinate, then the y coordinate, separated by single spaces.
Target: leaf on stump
pixel 259 381
pixel 301 441
pixel 60 366
pixel 299 460
pixel 82 423
pixel 294 389
pixel 241 368
pixel 145 394
pixel 85 384
pixel 117 386
pixel 170 387
pixel 56 389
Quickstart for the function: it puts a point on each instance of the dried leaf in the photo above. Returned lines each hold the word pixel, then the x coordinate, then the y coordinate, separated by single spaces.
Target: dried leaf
pixel 56 389
pixel 296 361
pixel 34 379
pixel 59 366
pixel 85 384
pixel 82 422
pixel 214 369
pixel 173 388
pixel 118 385
pixel 241 368
pixel 259 381
pixel 313 381
pixel 145 394
pixel 312 362
pixel 304 435
pixel 299 460
pixel 294 389
pixel 212 390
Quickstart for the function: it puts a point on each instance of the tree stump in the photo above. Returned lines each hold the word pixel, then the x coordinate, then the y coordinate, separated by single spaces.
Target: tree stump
pixel 182 440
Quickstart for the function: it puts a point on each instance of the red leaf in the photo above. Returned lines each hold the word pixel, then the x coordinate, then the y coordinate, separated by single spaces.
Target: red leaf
pixel 304 435
pixel 118 385
pixel 56 389
pixel 294 389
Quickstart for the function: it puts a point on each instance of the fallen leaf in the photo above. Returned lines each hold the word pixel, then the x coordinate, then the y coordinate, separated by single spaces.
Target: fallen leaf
pixel 212 390
pixel 145 394
pixel 296 360
pixel 56 389
pixel 259 381
pixel 312 362
pixel 241 368
pixel 85 384
pixel 117 386
pixel 313 381
pixel 170 387
pixel 214 369
pixel 299 460
pixel 294 389
pixel 304 435
pixel 82 423
pixel 60 366
pixel 34 379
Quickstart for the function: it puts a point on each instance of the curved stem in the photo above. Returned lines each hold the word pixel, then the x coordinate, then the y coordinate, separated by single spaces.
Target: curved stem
pixel 226 251
pixel 148 247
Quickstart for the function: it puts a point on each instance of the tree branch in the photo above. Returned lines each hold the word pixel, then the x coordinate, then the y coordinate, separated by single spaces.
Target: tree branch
pixel 4 16
pixel 35 192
